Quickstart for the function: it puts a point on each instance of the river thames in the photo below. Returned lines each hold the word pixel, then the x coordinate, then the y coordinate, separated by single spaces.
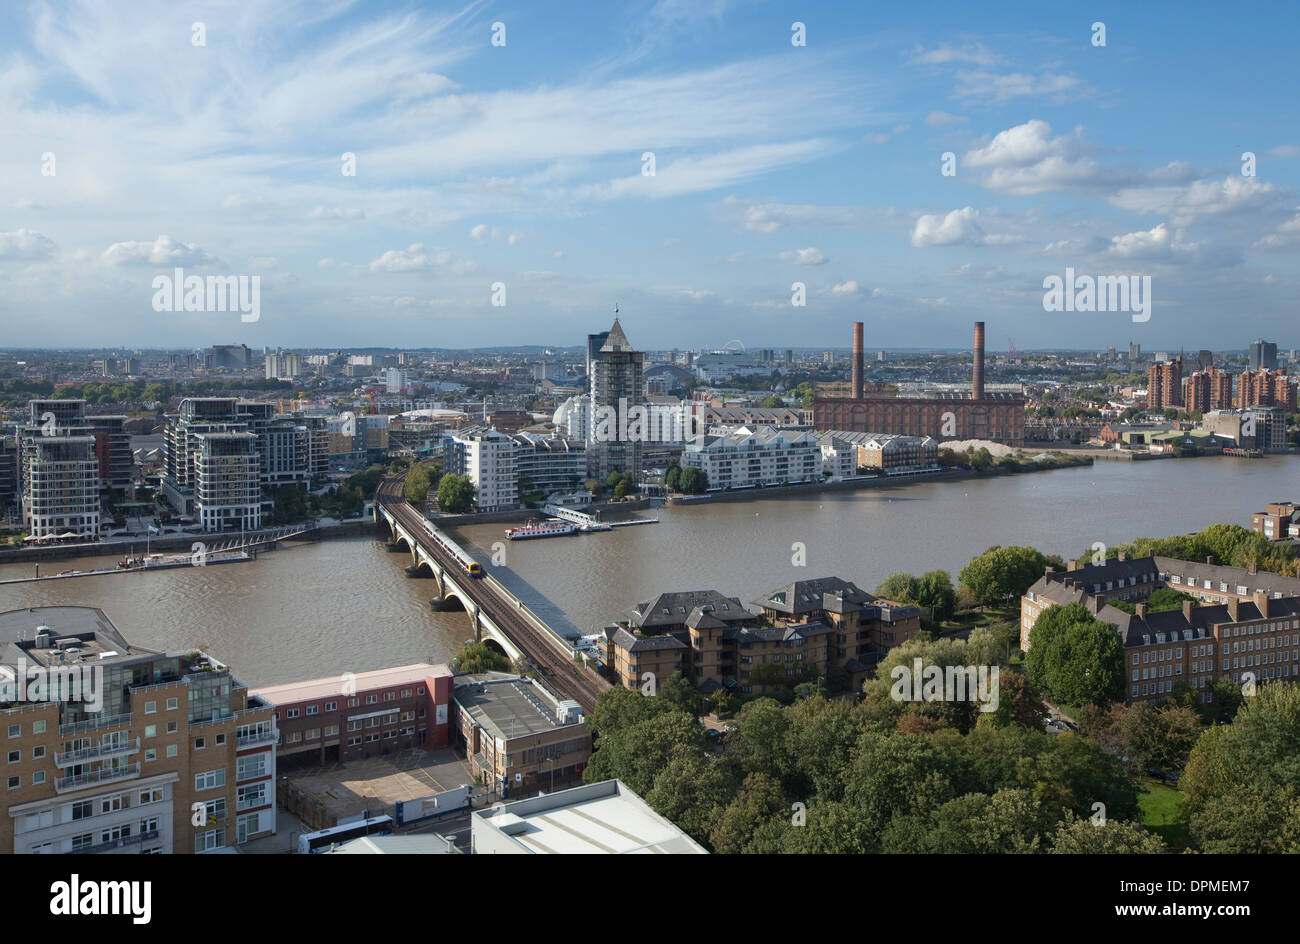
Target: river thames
pixel 346 605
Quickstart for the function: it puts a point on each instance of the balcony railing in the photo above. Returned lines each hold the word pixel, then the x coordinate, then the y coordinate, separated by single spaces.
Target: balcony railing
pixel 111 775
pixel 114 721
pixel 123 841
pixel 257 737
pixel 96 752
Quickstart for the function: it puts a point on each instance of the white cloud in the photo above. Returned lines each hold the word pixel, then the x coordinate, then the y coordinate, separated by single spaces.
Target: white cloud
pixel 335 214
pixel 956 228
pixel 804 257
pixel 1284 150
pixel 25 244
pixel 1185 204
pixel 995 87
pixel 513 238
pixel 845 288
pixel 416 258
pixel 162 251
pixel 1285 235
pixel 483 232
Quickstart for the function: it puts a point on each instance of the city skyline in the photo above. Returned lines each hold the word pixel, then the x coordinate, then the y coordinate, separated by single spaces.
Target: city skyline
pixel 523 164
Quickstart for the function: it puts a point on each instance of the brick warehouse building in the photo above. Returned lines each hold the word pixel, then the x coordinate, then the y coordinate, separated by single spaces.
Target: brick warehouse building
pixel 975 414
pixel 346 717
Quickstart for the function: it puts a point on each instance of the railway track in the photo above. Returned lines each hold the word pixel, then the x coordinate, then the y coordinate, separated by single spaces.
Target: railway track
pixel 564 676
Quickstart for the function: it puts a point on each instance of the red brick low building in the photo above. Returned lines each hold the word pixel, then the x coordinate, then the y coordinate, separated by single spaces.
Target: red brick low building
pixel 354 715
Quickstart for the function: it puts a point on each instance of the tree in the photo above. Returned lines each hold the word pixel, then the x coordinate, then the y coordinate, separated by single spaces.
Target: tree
pixel 1076 657
pixel 416 487
pixel 934 591
pixel 1003 573
pixel 900 586
pixel 1076 836
pixel 478 657
pixel 673 478
pixel 693 481
pixel 455 493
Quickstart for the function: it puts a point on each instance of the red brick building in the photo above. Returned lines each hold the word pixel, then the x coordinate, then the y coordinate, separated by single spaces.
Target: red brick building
pixel 345 717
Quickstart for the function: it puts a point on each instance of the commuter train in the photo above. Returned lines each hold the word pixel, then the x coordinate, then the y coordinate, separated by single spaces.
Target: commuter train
pixel 467 563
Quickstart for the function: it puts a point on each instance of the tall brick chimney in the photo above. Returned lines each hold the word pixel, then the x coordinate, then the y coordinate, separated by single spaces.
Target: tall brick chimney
pixel 977 375
pixel 857 390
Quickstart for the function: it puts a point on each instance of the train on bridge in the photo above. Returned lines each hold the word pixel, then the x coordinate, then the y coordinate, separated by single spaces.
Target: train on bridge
pixel 454 550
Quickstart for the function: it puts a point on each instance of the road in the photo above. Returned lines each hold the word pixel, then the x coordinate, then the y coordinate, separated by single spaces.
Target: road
pixel 553 657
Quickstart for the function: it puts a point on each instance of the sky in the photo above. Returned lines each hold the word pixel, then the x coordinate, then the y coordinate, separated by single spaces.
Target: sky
pixel 502 191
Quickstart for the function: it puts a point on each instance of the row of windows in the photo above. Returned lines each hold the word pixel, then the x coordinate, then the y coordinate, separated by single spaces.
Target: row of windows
pixel 151 707
pixel 16 730
pixel 37 753
pixel 352 703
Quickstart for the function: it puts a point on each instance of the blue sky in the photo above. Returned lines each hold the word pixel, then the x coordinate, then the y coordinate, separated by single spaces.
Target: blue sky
pixel 522 164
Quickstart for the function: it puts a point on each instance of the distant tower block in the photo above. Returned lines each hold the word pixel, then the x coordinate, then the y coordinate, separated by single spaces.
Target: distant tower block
pixel 857 360
pixel 977 375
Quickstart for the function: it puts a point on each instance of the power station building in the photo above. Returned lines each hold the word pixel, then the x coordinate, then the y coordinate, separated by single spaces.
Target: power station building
pixel 942 414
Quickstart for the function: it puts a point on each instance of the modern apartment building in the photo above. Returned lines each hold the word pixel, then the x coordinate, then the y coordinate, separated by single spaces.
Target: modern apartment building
pixel 347 717
pixel 519 738
pixel 616 385
pixel 1246 626
pixel 548 464
pixel 176 757
pixel 289 449
pixel 1263 354
pixel 742 457
pixel 487 458
pixel 227 484
pixel 60 487
pixel 65 459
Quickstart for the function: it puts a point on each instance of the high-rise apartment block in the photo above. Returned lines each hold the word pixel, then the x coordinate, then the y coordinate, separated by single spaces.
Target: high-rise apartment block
pixel 1263 354
pixel 1208 389
pixel 1267 387
pixel 617 384
pixel 1164 384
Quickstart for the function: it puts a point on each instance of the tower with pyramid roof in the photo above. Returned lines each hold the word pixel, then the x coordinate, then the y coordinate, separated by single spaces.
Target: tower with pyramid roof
pixel 616 376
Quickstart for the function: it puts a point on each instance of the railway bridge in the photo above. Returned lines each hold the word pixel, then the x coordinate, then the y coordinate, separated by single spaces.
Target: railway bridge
pixel 494 611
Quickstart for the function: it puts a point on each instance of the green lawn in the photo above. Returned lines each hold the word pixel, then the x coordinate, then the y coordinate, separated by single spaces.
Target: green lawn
pixel 1158 806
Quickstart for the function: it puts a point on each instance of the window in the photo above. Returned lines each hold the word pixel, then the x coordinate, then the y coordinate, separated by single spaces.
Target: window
pixel 150 730
pixel 14 782
pixel 151 753
pixel 212 839
pixel 221 740
pixel 214 810
pixel 313 709
pixel 15 756
pixel 172 750
pixel 172 727
pixel 15 730
pixel 172 704
pixel 291 713
pixel 82 810
pixel 38 727
pixel 38 752
pixel 38 777
pixel 210 779
pixel 150 707
pixel 154 795
pixel 111 804
pixel 84 841
pixel 331 706
pixel 200 743
pixel 248 797
pixel 372 699
pixel 251 767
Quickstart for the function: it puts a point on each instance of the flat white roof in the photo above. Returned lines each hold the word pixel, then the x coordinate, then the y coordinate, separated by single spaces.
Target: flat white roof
pixel 601 818
pixel 359 681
